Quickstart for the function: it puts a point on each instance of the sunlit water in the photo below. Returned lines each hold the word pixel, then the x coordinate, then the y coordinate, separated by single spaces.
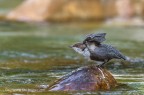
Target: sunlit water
pixel 33 55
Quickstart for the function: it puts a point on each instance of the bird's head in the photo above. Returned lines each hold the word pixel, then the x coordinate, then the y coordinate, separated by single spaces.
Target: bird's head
pixel 79 47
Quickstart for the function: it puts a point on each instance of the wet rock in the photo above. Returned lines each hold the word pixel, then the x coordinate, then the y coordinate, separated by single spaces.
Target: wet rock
pixel 57 10
pixel 89 78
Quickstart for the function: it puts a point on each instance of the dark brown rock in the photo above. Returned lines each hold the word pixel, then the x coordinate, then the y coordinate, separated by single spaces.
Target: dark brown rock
pixel 89 78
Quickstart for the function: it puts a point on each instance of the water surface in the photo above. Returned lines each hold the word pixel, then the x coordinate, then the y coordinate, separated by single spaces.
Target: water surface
pixel 33 55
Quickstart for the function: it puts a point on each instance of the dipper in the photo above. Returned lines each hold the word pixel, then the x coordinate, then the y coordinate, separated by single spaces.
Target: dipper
pixel 101 52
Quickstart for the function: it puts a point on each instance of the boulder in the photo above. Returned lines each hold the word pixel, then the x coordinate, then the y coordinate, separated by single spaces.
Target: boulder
pixel 58 10
pixel 110 8
pixel 125 8
pixel 129 13
pixel 30 10
pixel 74 10
pixel 88 78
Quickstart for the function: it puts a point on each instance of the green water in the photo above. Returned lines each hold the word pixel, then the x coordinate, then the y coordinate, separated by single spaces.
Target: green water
pixel 6 5
pixel 33 55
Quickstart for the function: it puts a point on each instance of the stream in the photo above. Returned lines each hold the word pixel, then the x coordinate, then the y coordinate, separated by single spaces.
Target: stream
pixel 33 55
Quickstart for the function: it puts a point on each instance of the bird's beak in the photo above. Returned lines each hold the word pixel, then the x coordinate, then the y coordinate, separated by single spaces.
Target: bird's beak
pixel 70 46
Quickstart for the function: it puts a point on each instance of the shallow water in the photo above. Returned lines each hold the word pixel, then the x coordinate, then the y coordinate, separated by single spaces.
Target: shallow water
pixel 6 5
pixel 33 55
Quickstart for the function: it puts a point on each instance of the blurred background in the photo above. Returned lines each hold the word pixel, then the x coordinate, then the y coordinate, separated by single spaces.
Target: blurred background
pixel 35 35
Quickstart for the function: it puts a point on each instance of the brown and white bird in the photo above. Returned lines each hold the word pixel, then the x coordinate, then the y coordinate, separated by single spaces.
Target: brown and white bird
pixel 92 48
pixel 81 48
pixel 102 52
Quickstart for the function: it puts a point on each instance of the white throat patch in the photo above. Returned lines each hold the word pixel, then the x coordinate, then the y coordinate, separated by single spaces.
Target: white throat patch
pixel 85 52
pixel 92 47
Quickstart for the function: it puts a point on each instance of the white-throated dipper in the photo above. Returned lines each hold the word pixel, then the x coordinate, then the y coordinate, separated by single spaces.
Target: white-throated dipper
pixel 94 50
pixel 102 52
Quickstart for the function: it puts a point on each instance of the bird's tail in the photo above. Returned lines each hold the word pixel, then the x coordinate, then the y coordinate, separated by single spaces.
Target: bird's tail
pixel 121 56
pixel 124 57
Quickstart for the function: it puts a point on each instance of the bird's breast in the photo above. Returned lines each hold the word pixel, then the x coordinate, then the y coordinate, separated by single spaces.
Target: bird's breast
pixel 92 47
pixel 86 53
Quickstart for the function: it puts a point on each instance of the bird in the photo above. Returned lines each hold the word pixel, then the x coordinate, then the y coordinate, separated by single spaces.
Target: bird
pixel 81 49
pixel 97 38
pixel 98 52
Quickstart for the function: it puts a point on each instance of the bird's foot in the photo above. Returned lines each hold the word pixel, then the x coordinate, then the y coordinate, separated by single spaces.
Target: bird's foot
pixel 100 66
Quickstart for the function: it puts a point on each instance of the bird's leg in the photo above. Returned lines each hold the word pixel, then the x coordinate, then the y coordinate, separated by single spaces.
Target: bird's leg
pixel 103 64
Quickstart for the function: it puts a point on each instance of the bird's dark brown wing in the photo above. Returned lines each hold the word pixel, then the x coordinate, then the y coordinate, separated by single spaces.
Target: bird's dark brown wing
pixel 97 38
pixel 113 52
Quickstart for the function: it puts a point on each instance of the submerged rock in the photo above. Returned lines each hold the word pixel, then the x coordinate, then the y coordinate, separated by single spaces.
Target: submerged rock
pixel 89 78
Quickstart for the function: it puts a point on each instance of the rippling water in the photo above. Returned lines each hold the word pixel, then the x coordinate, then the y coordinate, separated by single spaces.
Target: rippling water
pixel 34 55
